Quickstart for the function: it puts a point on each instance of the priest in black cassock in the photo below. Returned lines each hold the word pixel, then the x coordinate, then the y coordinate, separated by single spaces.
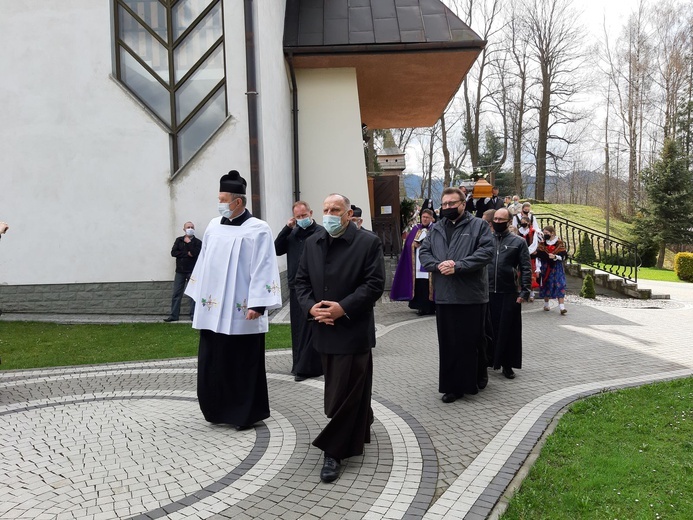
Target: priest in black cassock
pixel 340 277
pixel 290 241
pixel 234 283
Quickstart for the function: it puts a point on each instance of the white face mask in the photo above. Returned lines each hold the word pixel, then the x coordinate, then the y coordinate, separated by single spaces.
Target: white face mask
pixel 190 232
pixel 224 209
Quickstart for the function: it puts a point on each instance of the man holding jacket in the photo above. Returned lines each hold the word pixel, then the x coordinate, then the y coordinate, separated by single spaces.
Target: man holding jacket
pixel 456 251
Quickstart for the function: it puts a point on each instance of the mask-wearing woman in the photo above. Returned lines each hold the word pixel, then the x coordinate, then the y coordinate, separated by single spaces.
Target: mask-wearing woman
pixel 551 253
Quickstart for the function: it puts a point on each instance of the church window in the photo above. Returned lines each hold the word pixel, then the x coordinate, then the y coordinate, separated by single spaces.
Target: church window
pixel 170 55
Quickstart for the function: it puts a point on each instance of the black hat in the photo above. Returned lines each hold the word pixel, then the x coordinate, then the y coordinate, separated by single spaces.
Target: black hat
pixel 232 182
pixel 357 211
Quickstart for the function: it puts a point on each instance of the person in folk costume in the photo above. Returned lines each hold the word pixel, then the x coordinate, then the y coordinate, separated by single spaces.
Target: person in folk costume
pixel 340 276
pixel 505 297
pixel 290 241
pixel 533 238
pixel 526 212
pixel 411 283
pixel 234 283
pixel 551 253
pixel 457 250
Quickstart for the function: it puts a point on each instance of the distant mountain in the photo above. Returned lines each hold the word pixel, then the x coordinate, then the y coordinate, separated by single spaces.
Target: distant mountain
pixel 412 186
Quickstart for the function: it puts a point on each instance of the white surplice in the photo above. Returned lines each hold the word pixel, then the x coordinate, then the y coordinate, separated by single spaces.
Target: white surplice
pixel 236 270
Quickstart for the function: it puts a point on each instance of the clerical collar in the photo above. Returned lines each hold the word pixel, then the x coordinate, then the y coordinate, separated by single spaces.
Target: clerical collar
pixel 237 221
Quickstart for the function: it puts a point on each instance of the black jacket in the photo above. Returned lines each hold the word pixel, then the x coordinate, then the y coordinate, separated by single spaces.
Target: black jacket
pixel 349 270
pixel 471 247
pixel 510 258
pixel 290 242
pixel 184 262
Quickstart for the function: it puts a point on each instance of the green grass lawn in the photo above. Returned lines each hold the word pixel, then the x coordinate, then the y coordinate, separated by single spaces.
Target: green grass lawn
pixel 651 273
pixel 587 216
pixel 38 344
pixel 625 455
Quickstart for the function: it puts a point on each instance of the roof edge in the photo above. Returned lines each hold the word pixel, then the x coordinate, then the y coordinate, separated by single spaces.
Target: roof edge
pixel 383 48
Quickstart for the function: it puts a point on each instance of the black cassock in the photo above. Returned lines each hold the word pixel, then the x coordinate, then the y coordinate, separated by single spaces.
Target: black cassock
pixel 231 378
pixel 506 321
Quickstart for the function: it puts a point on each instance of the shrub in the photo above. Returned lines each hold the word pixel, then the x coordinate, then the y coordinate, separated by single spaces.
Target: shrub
pixel 625 259
pixel 587 290
pixel 585 253
pixel 683 266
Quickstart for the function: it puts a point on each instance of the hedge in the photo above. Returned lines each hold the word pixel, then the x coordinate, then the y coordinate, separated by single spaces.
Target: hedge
pixel 683 266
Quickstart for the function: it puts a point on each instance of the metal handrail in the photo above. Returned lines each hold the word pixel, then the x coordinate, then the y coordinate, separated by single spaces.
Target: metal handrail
pixel 595 248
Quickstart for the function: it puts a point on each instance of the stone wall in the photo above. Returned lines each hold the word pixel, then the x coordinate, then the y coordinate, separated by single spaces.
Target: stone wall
pixel 96 298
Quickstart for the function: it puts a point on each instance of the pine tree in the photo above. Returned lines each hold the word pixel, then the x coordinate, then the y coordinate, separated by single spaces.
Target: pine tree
pixel 588 290
pixel 669 211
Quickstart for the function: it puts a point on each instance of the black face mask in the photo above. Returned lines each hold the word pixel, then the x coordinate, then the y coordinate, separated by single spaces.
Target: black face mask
pixel 547 238
pixel 524 224
pixel 449 213
pixel 499 227
pixel 525 211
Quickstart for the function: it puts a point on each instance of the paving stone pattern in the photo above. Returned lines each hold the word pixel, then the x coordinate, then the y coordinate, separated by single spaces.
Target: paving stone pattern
pixel 127 440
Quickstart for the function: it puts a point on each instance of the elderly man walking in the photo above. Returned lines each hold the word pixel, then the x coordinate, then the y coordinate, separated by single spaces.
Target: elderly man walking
pixel 456 251
pixel 340 277
pixel 234 283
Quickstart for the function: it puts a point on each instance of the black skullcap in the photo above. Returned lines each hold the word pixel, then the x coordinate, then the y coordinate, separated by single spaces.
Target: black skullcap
pixel 232 182
pixel 357 211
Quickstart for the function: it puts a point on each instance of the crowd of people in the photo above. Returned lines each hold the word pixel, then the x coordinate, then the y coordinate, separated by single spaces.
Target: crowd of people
pixel 478 262
pixel 472 273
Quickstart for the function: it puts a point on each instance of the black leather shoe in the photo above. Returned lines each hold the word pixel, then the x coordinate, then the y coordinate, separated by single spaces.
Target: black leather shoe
pixel 330 470
pixel 508 372
pixel 169 319
pixel 450 398
pixel 299 378
pixel 482 384
pixel 243 427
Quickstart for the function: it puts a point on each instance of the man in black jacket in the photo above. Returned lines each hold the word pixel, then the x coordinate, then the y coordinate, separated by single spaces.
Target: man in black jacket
pixel 505 297
pixel 340 277
pixel 456 251
pixel 290 241
pixel 185 249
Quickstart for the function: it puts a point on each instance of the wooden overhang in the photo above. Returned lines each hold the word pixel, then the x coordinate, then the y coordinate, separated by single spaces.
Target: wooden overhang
pixel 410 56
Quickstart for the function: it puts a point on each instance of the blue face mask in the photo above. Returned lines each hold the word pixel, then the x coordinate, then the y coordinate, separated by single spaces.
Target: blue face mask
pixel 332 223
pixel 304 222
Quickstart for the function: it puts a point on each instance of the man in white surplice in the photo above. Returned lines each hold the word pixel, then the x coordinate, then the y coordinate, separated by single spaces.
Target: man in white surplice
pixel 234 283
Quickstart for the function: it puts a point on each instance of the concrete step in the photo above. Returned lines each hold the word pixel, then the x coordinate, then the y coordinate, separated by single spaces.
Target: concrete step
pixel 613 283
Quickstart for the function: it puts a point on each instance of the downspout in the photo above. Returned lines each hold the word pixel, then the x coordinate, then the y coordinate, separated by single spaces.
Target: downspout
pixel 294 115
pixel 251 95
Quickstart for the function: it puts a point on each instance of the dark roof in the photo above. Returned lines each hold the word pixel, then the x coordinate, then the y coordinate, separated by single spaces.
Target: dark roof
pixel 329 23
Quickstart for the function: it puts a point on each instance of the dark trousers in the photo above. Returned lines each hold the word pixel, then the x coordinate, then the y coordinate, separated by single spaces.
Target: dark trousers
pixel 179 283
pixel 461 343
pixel 348 386
pixel 231 378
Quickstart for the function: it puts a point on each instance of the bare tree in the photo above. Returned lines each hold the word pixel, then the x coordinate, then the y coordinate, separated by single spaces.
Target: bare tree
pixel 484 16
pixel 554 46
pixel 673 39
pixel 517 43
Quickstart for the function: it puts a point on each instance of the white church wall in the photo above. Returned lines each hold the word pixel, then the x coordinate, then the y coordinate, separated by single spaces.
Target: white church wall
pixel 81 161
pixel 275 120
pixel 330 139
pixel 85 176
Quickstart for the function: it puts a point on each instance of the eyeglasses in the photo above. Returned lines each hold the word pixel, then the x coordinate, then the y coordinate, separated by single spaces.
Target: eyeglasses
pixel 451 204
